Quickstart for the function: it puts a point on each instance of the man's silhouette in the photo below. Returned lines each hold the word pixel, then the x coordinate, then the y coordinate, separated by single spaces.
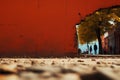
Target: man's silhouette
pixel 95 48
pixel 90 49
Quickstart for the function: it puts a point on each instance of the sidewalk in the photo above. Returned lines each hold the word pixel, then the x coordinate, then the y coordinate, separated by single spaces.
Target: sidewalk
pixel 99 55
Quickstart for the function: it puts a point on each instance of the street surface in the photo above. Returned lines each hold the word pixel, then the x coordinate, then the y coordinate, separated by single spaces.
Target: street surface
pixel 94 68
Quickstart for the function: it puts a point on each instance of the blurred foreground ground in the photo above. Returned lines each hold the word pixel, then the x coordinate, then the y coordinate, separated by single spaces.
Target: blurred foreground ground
pixel 92 68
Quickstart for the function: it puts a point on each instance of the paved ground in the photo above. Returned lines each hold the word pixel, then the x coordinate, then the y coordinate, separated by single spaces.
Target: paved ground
pixel 95 68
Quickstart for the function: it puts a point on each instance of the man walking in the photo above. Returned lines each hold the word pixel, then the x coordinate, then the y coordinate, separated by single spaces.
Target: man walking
pixel 95 48
pixel 90 49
